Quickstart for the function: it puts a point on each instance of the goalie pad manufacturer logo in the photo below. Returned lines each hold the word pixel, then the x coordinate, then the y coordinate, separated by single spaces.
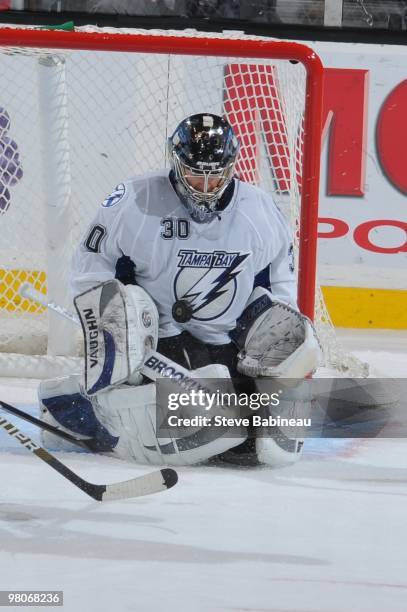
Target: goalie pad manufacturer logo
pixel 93 336
pixel 146 318
pixel 207 281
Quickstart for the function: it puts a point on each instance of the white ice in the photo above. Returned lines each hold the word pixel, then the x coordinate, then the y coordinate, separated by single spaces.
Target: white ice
pixel 328 534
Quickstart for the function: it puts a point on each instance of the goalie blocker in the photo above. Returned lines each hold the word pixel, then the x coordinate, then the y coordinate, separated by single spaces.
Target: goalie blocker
pixel 118 322
pixel 273 339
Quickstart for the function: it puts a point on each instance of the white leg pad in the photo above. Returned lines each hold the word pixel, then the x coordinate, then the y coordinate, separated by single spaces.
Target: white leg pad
pixel 51 388
pixel 283 445
pixel 130 413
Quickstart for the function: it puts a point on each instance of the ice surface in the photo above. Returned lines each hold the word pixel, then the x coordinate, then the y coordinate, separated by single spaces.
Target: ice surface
pixel 327 534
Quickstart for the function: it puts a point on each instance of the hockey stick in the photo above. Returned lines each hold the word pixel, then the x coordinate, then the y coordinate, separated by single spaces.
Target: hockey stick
pixel 82 442
pixel 146 484
pixel 154 366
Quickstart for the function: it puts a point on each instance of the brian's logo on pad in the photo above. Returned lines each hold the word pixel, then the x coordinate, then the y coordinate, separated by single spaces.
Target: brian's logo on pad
pixel 206 281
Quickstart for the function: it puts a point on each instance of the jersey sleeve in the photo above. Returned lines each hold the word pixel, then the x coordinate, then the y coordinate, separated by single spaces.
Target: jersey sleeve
pixel 94 260
pixel 282 277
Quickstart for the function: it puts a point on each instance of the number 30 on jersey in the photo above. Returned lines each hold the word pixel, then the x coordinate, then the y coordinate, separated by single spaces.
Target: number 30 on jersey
pixel 175 228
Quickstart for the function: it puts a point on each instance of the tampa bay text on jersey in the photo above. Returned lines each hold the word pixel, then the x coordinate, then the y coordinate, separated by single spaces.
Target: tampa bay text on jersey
pixel 207 281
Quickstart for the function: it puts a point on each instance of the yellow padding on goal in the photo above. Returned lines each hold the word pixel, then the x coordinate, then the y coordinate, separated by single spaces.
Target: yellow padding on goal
pixel 366 308
pixel 10 283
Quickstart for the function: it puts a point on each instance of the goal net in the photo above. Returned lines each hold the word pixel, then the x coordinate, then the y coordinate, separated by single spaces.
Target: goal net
pixel 82 111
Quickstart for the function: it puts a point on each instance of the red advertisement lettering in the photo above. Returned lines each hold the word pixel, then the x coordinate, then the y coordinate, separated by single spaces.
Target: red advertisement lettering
pixel 339 228
pixel 362 236
pixel 391 136
pixel 345 117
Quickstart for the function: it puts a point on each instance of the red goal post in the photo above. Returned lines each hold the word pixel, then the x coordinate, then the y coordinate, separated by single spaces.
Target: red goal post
pixel 255 82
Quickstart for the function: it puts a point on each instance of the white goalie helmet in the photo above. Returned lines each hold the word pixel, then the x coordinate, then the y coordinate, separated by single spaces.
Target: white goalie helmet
pixel 202 153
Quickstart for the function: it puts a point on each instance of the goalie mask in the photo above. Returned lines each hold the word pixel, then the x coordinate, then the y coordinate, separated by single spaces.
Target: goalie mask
pixel 202 153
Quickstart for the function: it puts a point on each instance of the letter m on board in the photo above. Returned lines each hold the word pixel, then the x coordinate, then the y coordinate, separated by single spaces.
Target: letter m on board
pixel 254 107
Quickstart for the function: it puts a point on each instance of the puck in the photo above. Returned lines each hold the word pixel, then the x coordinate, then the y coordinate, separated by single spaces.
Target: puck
pixel 182 311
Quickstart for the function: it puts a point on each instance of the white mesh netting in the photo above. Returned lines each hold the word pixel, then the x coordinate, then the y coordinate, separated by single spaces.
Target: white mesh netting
pixel 74 124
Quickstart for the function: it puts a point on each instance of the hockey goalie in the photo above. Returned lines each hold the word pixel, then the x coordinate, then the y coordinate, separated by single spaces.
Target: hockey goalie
pixel 197 265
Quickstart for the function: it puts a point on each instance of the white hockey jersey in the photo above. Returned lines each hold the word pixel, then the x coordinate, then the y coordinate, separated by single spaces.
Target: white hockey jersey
pixel 212 266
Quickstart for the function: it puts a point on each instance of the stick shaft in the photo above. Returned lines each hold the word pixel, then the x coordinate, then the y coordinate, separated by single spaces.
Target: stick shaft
pixel 160 480
pixel 83 443
pixel 44 455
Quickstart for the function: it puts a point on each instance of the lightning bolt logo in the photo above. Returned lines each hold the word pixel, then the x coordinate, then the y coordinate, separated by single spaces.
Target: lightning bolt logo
pixel 216 277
